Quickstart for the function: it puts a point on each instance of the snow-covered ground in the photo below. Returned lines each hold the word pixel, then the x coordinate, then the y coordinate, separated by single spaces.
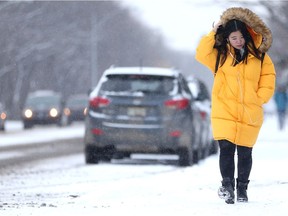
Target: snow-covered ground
pixel 67 186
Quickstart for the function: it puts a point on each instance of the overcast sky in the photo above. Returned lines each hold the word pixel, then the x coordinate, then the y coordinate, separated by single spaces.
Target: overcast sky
pixel 182 22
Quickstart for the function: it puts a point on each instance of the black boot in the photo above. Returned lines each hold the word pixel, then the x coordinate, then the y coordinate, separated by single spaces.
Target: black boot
pixel 226 191
pixel 242 191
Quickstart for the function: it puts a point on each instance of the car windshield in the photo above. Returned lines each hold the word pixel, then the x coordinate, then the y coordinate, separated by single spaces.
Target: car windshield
pixel 138 83
pixel 44 100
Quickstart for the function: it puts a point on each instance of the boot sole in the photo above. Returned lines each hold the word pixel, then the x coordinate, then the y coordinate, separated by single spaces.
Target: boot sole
pixel 242 200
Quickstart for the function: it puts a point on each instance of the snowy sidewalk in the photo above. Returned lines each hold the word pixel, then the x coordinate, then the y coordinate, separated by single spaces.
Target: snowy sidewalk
pixel 147 189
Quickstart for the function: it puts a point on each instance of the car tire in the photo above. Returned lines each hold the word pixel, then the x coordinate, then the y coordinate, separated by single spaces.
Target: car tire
pixel 196 156
pixel 95 154
pixel 107 153
pixel 185 156
pixel 91 155
pixel 214 147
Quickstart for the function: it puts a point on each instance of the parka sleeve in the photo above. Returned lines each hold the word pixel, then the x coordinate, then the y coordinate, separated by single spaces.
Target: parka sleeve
pixel 267 80
pixel 205 53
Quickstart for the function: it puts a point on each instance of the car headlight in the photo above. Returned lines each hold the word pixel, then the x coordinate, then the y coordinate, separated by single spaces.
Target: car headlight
pixel 3 116
pixel 67 112
pixel 53 112
pixel 28 113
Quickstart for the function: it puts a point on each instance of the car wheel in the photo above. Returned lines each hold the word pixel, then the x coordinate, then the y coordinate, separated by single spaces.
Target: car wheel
pixel 185 156
pixel 214 147
pixel 107 154
pixel 94 154
pixel 196 156
pixel 91 155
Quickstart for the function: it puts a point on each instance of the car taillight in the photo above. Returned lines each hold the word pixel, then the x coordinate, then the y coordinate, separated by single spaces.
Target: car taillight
pixel 99 102
pixel 203 114
pixel 97 131
pixel 177 103
pixel 175 133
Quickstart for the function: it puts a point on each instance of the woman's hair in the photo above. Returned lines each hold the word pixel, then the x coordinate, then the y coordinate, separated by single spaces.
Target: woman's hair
pixel 221 40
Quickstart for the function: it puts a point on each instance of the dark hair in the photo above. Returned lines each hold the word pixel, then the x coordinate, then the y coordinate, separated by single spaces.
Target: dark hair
pixel 221 39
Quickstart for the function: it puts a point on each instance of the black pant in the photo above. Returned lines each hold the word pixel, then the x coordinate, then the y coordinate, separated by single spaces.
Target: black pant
pixel 227 162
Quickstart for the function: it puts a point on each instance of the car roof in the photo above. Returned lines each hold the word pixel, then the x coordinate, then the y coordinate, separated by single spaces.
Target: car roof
pixel 43 93
pixel 156 71
pixel 153 71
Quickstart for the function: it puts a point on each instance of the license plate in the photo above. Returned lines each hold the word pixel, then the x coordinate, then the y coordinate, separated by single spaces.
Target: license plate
pixel 136 111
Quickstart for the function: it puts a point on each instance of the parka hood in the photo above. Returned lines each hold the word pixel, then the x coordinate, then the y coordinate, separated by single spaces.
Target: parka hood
pixel 260 33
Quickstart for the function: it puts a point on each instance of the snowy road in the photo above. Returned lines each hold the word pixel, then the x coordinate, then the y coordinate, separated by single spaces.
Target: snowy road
pixel 25 153
pixel 18 145
pixel 141 186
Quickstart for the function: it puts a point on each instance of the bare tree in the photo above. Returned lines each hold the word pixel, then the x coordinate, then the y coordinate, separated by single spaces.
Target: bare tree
pixel 51 45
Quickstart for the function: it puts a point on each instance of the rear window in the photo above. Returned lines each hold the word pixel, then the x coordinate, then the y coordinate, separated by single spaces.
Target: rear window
pixel 138 83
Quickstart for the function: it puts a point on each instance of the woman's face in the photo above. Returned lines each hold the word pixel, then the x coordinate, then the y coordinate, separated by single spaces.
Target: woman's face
pixel 236 40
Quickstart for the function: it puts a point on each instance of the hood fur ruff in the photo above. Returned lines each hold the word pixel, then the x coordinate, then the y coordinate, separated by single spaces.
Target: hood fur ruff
pixel 251 20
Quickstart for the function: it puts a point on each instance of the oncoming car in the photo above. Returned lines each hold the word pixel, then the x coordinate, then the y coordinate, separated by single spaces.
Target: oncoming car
pixel 76 108
pixel 141 110
pixel 42 107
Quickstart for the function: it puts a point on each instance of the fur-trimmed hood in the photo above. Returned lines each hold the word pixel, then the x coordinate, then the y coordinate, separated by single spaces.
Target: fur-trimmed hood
pixel 260 33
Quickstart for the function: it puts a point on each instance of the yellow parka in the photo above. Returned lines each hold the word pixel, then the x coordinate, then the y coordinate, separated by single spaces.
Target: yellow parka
pixel 240 91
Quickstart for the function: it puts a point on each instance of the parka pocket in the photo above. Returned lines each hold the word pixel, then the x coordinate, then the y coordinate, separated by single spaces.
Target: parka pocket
pixel 253 115
pixel 256 100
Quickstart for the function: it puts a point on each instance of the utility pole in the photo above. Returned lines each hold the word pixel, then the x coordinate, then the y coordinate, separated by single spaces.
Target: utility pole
pixel 94 51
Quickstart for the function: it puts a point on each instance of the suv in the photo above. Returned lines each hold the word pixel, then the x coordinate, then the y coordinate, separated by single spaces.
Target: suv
pixel 42 107
pixel 203 102
pixel 142 110
pixel 3 116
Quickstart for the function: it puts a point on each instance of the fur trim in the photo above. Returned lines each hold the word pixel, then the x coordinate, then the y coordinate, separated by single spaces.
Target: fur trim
pixel 253 21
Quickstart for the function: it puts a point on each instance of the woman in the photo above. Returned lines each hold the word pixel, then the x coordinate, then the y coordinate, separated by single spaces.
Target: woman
pixel 235 51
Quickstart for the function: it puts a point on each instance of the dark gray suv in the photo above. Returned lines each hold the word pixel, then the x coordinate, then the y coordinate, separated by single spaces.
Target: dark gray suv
pixel 142 110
